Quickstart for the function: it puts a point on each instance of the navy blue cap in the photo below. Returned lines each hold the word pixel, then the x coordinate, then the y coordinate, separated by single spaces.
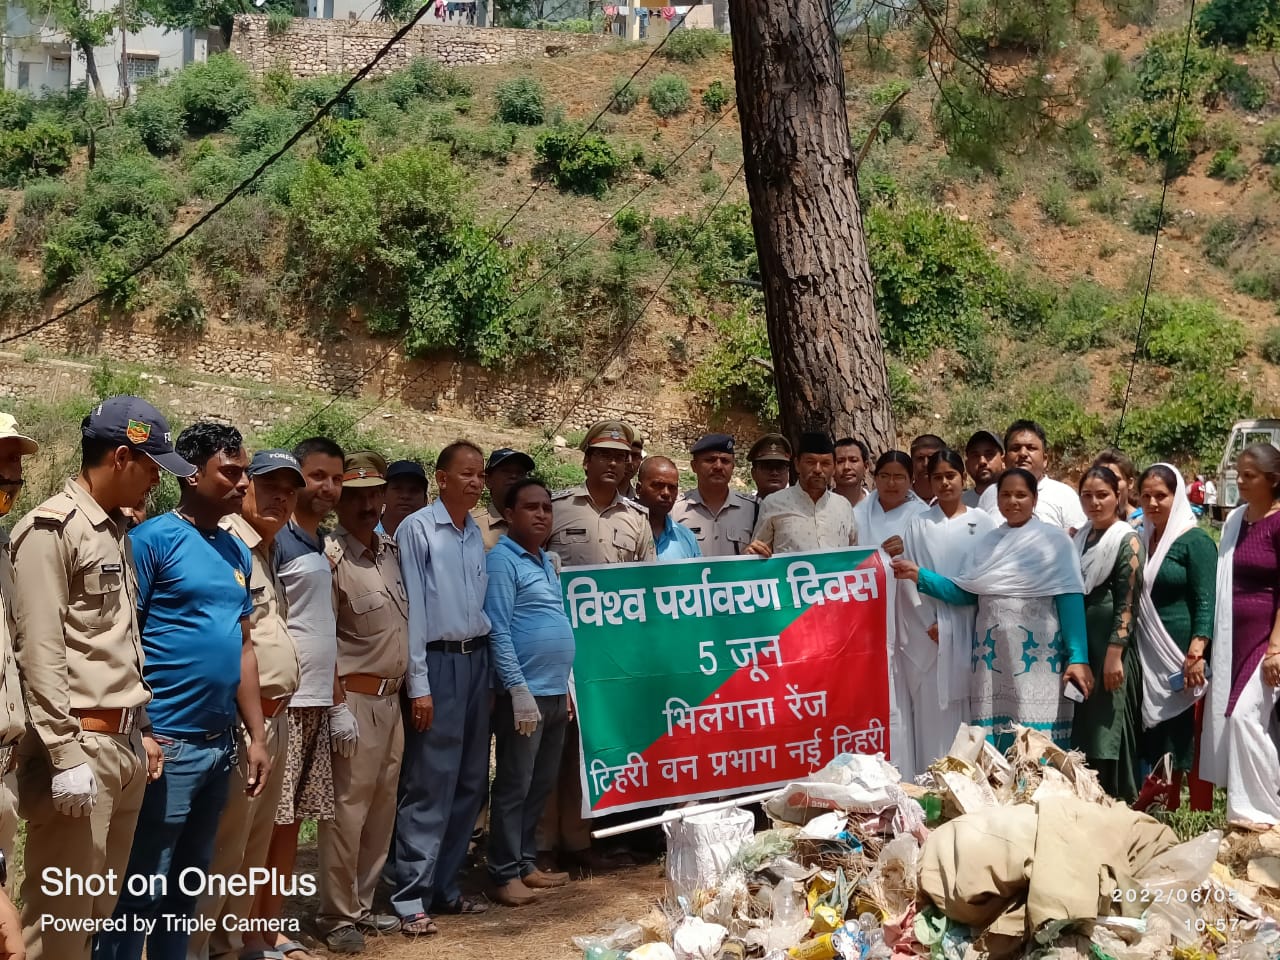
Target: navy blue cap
pixel 134 423
pixel 713 443
pixel 503 454
pixel 407 468
pixel 269 461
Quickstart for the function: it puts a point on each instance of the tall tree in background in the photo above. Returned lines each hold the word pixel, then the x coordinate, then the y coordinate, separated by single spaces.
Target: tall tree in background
pixel 84 26
pixel 828 357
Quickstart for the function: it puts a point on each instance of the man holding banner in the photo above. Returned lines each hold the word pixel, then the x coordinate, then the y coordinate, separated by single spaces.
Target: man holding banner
pixel 807 516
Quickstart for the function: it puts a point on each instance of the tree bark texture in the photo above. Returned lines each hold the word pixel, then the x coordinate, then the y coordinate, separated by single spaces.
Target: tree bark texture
pixel 828 356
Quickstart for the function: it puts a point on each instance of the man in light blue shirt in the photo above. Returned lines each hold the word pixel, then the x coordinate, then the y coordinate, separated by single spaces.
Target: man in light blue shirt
pixel 532 648
pixel 446 759
pixel 657 490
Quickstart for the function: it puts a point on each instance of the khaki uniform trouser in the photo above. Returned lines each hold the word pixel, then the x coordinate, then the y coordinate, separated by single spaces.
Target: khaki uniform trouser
pixel 353 845
pixel 562 827
pixel 90 846
pixel 244 835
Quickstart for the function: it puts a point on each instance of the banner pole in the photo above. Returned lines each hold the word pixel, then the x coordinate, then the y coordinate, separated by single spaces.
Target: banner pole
pixel 673 815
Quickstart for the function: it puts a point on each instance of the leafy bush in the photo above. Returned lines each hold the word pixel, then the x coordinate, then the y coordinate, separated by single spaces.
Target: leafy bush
pixel 1085 170
pixel 1081 320
pixel 1032 25
pixel 728 376
pixel 522 101
pixel 180 306
pixel 1055 204
pixel 1260 279
pixel 158 119
pixel 16 110
pixel 979 128
pixel 1108 199
pixel 904 391
pixel 308 96
pixel 669 95
pixel 1234 22
pixel 1271 345
pixel 339 144
pixel 261 127
pixel 689 45
pixel 1190 420
pixel 43 148
pixel 715 98
pixel 1074 433
pixel 723 250
pixel 626 94
pixel 494 142
pixel 1184 332
pixel 212 93
pixel 1223 237
pixel 423 79
pixel 1144 216
pixel 17 297
pixel 44 202
pixel 1271 142
pixel 1227 165
pixel 583 163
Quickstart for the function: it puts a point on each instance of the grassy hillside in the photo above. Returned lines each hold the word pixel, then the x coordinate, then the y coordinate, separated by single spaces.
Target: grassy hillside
pixel 1010 197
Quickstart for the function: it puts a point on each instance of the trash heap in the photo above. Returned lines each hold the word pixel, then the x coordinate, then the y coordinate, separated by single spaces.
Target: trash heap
pixel 988 855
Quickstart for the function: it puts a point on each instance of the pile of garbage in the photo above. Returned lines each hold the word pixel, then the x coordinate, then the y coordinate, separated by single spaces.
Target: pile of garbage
pixel 988 855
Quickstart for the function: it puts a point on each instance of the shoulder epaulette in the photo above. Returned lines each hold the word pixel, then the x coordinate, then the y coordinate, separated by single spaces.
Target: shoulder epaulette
pixel 333 549
pixel 561 494
pixel 49 514
pixel 636 505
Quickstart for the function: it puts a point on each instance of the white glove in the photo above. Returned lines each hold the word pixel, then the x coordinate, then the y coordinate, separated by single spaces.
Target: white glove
pixel 525 707
pixel 74 791
pixel 343 731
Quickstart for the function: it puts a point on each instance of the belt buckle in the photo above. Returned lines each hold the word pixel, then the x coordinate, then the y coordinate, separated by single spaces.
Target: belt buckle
pixel 128 720
pixel 383 684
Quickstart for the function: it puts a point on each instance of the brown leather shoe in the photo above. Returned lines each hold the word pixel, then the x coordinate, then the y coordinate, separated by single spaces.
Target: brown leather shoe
pixel 513 894
pixel 539 880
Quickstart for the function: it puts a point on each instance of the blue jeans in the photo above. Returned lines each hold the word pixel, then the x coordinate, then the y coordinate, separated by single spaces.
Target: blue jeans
pixel 172 849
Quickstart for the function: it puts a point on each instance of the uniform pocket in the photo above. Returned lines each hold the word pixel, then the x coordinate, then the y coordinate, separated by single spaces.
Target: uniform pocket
pixel 102 596
pixel 624 541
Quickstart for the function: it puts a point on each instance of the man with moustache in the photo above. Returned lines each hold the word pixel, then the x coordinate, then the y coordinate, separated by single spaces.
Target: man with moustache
pixel 505 468
pixel 808 516
pixel 852 458
pixel 1026 446
pixel 626 486
pixel 373 654
pixel 770 459
pixel 656 492
pixel 244 831
pixel 984 462
pixel 87 753
pixel 719 518
pixel 407 489
pixel 446 766
pixel 194 608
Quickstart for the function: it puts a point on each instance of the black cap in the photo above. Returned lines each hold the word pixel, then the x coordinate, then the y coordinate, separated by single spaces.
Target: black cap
pixel 987 436
pixel 134 423
pixel 407 468
pixel 269 461
pixel 814 442
pixel 503 454
pixel 713 443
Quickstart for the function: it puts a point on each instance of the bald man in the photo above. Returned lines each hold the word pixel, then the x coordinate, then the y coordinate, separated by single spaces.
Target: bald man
pixel 657 488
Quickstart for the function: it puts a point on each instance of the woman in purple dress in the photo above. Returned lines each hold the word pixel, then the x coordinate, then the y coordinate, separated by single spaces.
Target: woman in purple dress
pixel 1240 749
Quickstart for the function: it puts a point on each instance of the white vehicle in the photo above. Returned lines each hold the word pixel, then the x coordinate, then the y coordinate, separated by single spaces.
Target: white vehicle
pixel 1244 433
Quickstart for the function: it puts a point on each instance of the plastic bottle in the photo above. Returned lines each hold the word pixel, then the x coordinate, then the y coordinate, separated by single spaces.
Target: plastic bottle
pixel 873 937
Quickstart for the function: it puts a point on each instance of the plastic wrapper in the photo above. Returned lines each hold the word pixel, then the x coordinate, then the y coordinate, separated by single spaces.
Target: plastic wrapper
pixel 695 939
pixel 1170 878
pixel 701 847
pixel 852 783
pixel 623 937
pixel 895 876
pixel 652 951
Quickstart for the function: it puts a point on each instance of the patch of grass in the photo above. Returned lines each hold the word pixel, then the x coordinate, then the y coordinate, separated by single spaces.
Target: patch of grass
pixel 716 97
pixel 1270 137
pixel 1144 215
pixel 1227 165
pixel 1108 198
pixel 1270 347
pixel 1056 205
pixel 1085 170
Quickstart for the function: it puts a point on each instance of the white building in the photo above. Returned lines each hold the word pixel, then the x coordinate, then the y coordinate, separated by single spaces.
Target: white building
pixel 39 59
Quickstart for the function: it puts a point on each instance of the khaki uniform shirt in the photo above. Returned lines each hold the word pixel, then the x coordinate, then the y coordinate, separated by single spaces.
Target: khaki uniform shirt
pixel 723 533
pixel 373 607
pixel 75 618
pixel 791 522
pixel 582 534
pixel 491 523
pixel 13 715
pixel 278 672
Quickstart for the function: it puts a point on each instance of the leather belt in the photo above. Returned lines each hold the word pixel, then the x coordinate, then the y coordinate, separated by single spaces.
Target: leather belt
pixel 271 708
pixel 108 721
pixel 371 685
pixel 470 645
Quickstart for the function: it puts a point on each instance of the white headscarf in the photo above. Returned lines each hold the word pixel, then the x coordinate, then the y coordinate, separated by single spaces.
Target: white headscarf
pixel 876 524
pixel 1161 657
pixel 1036 559
pixel 1097 564
pixel 1213 739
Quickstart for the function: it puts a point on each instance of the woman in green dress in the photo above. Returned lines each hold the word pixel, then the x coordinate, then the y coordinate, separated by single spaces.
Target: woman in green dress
pixel 1175 619
pixel 1105 726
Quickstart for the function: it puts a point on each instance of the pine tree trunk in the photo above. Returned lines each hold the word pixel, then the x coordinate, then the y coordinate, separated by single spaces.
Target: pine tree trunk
pixel 828 357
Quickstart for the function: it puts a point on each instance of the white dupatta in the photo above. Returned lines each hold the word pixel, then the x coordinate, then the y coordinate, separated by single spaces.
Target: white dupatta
pixel 1161 657
pixel 1213 737
pixel 876 524
pixel 1036 559
pixel 1097 564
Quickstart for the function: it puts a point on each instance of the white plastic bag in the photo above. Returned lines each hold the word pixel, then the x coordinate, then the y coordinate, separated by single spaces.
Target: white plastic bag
pixel 695 939
pixel 700 847
pixel 1170 878
pixel 853 783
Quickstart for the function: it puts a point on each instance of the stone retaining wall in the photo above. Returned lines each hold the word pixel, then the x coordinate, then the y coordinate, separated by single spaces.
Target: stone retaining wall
pixel 315 47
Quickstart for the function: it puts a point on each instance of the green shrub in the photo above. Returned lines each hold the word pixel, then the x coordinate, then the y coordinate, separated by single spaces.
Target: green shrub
pixel 904 392
pixel 522 101
pixel 1271 142
pixel 1055 204
pixel 715 98
pixel 1241 87
pixel 339 144
pixel 1227 165
pixel 669 95
pixel 689 45
pixel 1108 199
pixel 1081 320
pixel 43 148
pixel 723 250
pixel 1184 332
pixel 1085 170
pixel 1261 279
pixel 44 202
pixel 17 296
pixel 1234 22
pixel 729 376
pixel 981 129
pixel 16 110
pixel 1223 133
pixel 626 94
pixel 157 118
pixel 1271 345
pixel 1190 420
pixel 212 93
pixel 495 143
pixel 212 172
pixel 1144 216
pixel 1032 25
pixel 1074 433
pixel 180 306
pixel 583 163
pixel 1223 237
pixel 260 127
pixel 308 96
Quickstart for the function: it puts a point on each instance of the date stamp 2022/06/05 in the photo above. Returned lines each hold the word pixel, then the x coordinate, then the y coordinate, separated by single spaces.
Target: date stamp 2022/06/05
pixel 1198 897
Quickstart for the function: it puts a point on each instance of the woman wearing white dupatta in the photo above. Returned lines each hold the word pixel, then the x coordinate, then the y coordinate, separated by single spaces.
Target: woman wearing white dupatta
pixel 1175 619
pixel 1238 749
pixel 883 514
pixel 935 640
pixel 1029 638
pixel 1105 728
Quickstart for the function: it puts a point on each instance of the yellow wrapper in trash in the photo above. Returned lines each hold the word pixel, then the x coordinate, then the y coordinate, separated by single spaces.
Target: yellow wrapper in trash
pixel 818 888
pixel 825 920
pixel 819 948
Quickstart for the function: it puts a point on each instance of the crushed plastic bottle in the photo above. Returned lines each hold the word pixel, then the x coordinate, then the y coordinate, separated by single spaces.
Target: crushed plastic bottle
pixel 597 952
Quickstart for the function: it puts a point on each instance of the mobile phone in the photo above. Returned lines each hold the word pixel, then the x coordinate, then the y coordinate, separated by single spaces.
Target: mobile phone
pixel 1176 681
pixel 1072 692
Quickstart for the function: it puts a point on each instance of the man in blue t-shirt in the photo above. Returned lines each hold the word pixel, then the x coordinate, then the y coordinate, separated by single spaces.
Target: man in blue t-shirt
pixel 194 606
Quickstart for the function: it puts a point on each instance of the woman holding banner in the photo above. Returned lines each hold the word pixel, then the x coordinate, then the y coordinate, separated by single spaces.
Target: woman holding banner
pixel 1025 579
pixel 935 640
pixel 883 515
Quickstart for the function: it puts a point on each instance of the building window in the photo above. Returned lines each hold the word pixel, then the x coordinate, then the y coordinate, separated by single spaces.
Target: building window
pixel 24 76
pixel 139 68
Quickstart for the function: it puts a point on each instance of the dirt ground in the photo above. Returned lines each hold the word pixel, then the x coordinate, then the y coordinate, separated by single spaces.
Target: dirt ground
pixel 540 931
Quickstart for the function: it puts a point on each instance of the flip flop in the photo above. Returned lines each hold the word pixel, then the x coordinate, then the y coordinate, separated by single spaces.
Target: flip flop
pixel 419 925
pixel 291 950
pixel 462 906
